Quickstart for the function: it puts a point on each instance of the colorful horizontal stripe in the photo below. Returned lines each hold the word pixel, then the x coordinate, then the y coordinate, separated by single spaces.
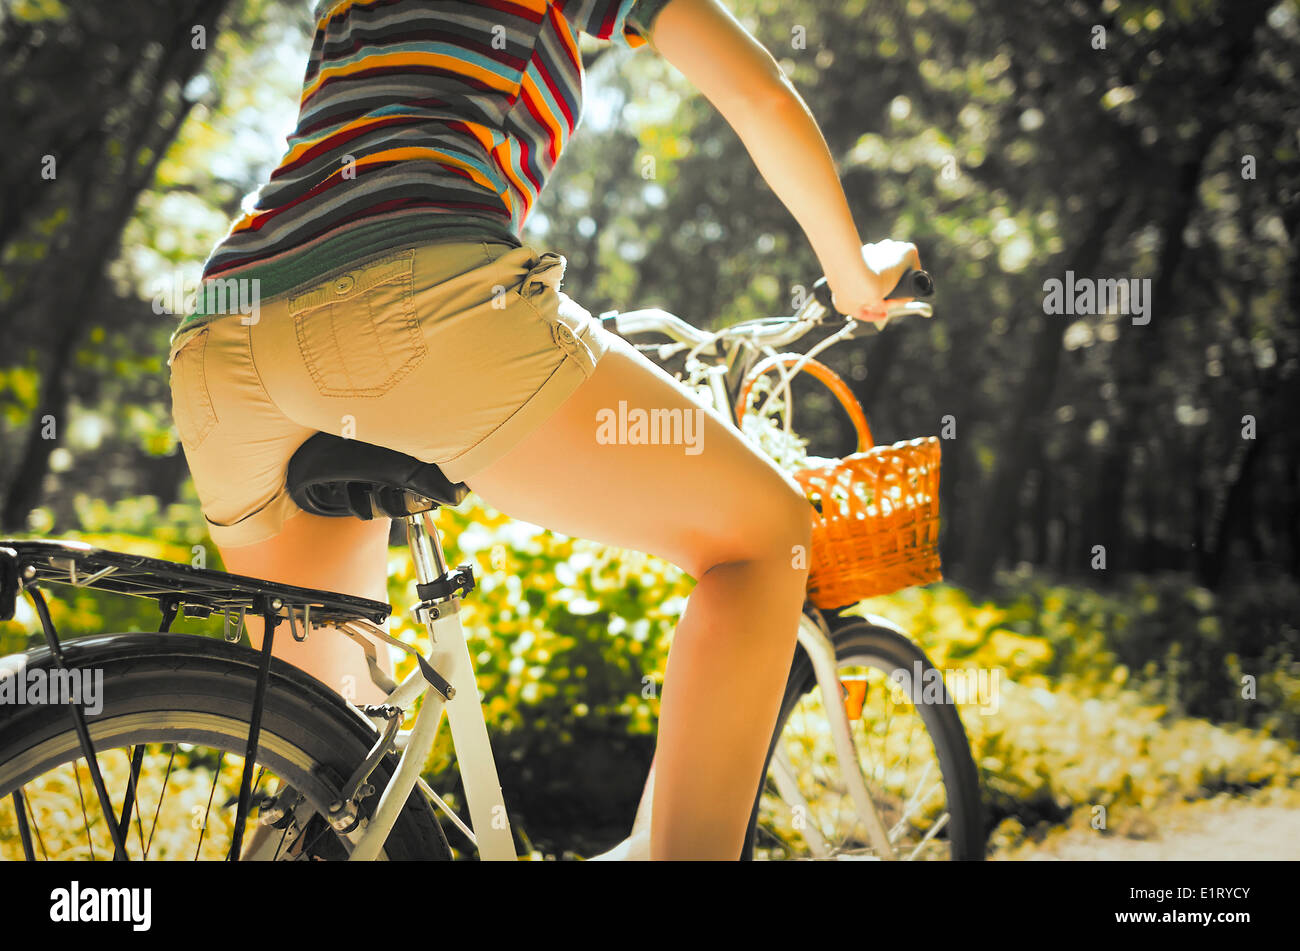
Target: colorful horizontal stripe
pixel 420 121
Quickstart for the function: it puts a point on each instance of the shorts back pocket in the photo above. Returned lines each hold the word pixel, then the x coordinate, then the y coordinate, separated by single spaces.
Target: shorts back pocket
pixel 357 332
pixel 192 410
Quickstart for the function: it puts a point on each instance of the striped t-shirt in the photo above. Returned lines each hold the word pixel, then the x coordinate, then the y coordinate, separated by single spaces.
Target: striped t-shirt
pixel 420 121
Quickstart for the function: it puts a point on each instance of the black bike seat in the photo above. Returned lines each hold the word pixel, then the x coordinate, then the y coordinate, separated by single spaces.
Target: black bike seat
pixel 339 478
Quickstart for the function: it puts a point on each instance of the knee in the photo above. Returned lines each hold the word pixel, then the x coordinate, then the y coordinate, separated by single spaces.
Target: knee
pixel 777 533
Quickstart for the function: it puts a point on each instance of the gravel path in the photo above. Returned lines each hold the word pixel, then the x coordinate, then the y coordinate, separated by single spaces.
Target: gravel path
pixel 1203 830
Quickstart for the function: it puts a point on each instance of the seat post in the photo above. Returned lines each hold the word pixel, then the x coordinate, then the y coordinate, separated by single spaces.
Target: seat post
pixel 449 663
pixel 440 591
pixel 439 587
pixel 426 548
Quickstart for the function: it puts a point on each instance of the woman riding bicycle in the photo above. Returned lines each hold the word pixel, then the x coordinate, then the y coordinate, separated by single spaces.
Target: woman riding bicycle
pixel 398 306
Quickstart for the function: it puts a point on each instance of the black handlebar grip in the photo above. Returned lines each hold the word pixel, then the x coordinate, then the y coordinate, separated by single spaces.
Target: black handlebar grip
pixel 913 283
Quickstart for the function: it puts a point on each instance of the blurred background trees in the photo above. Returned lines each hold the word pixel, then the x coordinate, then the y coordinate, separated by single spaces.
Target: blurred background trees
pixel 1013 142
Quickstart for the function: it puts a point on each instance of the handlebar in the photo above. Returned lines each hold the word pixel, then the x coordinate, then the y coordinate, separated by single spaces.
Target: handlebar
pixel 774 331
pixel 912 283
pixel 654 320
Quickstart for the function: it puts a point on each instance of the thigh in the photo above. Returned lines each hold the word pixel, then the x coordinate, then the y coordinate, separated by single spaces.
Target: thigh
pixel 614 465
pixel 331 554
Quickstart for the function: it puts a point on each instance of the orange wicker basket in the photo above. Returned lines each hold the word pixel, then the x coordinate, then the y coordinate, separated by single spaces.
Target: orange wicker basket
pixel 875 512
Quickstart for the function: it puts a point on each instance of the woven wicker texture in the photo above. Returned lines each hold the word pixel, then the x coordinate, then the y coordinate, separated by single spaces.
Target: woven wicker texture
pixel 876 522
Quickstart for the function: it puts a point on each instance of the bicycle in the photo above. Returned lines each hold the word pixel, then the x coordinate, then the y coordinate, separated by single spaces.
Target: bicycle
pixel 345 777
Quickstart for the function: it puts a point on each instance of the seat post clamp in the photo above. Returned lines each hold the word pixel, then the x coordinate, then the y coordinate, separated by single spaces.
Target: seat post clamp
pixel 452 584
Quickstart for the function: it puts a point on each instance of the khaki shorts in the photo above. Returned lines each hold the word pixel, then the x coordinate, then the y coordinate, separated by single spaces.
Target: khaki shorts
pixel 450 353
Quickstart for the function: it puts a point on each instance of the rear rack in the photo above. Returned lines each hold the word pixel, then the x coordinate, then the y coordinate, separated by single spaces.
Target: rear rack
pixel 197 592
pixel 25 565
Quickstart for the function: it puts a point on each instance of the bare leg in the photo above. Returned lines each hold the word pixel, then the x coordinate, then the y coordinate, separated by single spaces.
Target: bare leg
pixel 334 554
pixel 728 517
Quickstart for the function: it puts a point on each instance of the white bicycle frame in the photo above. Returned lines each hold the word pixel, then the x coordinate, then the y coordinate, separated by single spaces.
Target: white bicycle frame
pixel 489 828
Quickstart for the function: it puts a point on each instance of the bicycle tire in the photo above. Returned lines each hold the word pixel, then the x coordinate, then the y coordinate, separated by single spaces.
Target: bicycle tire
pixel 855 638
pixel 151 680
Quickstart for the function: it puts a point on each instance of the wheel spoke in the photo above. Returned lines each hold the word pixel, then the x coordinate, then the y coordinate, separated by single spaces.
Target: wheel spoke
pixel 134 757
pixel 934 830
pixel 161 793
pixel 916 799
pixel 305 854
pixel 907 763
pixel 211 792
pixel 35 828
pixel 280 846
pixel 86 819
pixel 24 830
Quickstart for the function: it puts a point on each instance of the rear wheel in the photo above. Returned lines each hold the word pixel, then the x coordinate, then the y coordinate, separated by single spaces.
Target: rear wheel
pixel 170 739
pixel 912 754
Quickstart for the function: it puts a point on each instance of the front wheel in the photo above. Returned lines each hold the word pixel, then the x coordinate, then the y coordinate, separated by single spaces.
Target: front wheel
pixel 912 754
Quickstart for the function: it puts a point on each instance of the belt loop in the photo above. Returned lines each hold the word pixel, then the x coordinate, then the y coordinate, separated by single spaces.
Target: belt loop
pixel 549 269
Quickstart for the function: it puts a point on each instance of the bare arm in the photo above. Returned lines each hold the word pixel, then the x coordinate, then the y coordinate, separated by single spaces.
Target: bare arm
pixel 743 81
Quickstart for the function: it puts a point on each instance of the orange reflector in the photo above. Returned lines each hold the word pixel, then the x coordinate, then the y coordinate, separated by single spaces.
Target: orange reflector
pixel 854 691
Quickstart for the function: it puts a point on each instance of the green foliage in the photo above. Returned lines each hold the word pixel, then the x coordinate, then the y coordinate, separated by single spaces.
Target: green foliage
pixel 1047 753
pixel 569 639
pixel 1118 699
pixel 1174 642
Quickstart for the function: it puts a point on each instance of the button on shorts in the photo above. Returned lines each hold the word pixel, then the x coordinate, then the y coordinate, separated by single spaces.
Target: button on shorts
pixel 450 353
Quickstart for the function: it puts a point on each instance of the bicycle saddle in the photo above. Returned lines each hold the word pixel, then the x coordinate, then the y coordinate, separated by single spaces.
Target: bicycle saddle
pixel 341 478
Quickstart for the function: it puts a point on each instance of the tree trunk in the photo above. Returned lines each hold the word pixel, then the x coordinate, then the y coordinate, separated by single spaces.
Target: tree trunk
pixel 121 165
pixel 988 521
pixel 1234 511
pixel 25 489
